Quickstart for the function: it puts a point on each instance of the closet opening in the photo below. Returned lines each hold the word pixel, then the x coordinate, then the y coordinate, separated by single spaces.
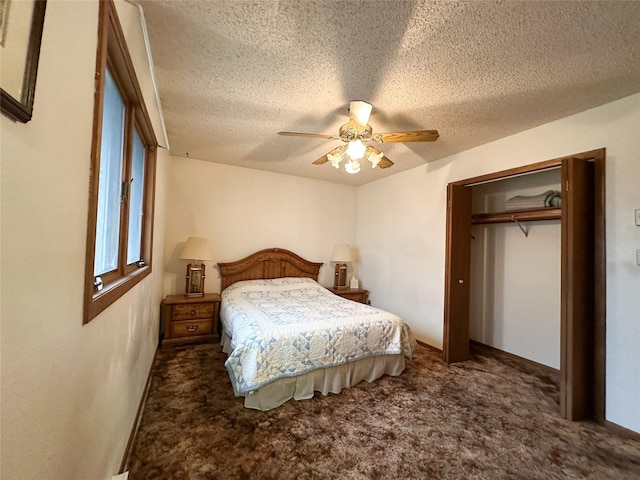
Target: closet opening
pixel 525 272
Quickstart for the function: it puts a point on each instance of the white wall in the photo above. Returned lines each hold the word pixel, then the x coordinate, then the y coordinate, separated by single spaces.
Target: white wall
pixel 515 290
pixel 407 211
pixel 69 392
pixel 241 211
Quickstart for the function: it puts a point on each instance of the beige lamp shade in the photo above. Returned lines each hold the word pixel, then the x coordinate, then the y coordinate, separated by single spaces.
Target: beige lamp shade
pixel 196 248
pixel 341 253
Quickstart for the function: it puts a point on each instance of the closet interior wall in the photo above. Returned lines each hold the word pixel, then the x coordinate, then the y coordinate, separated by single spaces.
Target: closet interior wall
pixel 515 278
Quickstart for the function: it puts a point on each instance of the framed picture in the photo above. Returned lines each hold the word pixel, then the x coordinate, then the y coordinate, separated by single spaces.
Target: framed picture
pixel 4 9
pixel 21 24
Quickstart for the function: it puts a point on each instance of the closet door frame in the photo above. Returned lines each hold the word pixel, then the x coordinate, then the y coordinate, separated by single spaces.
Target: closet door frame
pixel 583 288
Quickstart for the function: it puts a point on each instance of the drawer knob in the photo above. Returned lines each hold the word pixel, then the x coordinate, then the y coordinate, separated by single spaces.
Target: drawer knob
pixel 192 328
pixel 192 312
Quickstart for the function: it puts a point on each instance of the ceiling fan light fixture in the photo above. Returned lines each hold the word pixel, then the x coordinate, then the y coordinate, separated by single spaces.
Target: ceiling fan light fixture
pixel 352 166
pixel 335 159
pixel 356 149
pixel 374 158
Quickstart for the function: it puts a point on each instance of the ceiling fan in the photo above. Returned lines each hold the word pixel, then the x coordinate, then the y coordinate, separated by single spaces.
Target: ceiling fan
pixel 357 131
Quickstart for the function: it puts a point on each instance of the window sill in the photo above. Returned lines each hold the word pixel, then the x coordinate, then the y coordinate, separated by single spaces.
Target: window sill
pixel 97 302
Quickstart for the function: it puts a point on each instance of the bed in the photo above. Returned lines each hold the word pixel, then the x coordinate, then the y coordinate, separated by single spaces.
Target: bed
pixel 287 337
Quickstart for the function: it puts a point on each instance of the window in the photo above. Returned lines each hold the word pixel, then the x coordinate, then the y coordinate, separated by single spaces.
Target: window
pixel 119 237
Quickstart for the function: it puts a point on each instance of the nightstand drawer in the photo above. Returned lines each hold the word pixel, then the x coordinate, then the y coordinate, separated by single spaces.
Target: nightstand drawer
pixel 192 311
pixel 355 294
pixel 191 329
pixel 356 297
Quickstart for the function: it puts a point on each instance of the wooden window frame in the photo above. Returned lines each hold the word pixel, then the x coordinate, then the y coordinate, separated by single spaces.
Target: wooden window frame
pixel 113 52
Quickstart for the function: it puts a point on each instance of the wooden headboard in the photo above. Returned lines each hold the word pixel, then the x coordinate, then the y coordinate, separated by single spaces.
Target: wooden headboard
pixel 268 263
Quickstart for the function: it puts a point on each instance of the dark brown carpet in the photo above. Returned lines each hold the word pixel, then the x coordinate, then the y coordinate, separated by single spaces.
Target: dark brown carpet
pixel 482 419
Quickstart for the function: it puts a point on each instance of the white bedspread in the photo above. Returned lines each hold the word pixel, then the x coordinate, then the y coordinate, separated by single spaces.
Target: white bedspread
pixel 290 326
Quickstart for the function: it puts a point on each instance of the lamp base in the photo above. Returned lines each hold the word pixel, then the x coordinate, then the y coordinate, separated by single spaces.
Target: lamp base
pixel 195 280
pixel 340 276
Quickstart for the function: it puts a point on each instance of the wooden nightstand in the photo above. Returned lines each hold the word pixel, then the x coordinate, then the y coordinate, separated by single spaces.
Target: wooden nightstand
pixel 355 294
pixel 190 319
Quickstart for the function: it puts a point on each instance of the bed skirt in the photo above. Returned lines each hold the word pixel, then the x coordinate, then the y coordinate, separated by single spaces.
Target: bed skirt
pixel 325 381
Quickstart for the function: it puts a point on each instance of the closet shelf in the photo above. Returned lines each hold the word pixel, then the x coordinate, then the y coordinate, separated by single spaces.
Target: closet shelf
pixel 530 215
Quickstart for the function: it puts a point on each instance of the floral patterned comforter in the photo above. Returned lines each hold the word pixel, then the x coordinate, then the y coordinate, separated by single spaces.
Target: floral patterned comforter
pixel 290 326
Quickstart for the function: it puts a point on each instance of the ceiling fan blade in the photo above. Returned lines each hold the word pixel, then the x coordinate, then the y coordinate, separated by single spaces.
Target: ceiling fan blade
pixel 312 135
pixel 385 163
pixel 325 158
pixel 359 113
pixel 416 136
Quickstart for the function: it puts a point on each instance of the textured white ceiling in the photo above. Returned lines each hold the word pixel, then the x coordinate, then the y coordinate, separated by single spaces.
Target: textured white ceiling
pixel 231 74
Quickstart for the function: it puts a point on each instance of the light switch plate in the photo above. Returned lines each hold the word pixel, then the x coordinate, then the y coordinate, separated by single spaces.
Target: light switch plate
pixel 638 216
